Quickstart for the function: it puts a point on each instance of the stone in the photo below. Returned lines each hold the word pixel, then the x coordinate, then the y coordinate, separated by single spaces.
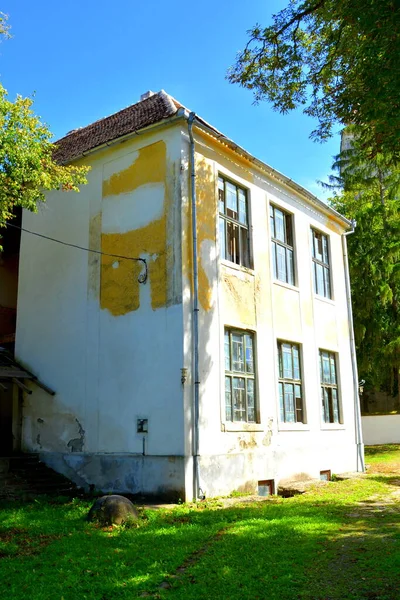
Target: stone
pixel 112 510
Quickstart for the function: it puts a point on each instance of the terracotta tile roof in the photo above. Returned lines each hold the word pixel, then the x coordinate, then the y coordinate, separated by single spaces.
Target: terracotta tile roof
pixel 146 112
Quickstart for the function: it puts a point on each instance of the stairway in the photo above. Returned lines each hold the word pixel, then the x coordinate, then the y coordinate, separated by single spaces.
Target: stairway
pixel 23 475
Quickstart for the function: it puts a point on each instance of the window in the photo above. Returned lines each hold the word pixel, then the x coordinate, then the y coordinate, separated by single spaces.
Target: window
pixel 329 387
pixel 282 244
pixel 240 403
pixel 290 388
pixel 233 223
pixel 321 266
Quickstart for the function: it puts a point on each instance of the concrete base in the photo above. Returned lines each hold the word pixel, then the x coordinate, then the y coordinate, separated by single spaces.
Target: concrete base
pixel 157 476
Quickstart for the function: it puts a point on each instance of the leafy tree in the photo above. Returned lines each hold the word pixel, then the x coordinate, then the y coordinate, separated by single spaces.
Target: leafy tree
pixel 371 197
pixel 27 168
pixel 339 59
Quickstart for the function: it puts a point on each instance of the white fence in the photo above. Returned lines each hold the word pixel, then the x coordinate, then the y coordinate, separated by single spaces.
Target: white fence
pixel 382 429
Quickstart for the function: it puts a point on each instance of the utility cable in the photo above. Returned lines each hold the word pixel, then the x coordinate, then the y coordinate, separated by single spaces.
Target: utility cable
pixel 142 277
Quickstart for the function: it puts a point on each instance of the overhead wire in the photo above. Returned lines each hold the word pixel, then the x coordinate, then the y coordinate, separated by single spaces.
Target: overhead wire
pixel 142 277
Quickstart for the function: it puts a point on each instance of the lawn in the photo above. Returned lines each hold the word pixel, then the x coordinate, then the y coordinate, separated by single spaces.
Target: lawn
pixel 338 541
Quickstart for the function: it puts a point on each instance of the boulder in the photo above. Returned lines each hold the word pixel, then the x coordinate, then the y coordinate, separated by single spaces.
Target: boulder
pixel 112 510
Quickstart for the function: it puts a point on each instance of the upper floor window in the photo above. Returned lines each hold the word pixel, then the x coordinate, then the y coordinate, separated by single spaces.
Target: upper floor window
pixel 240 403
pixel 290 385
pixel 282 244
pixel 329 387
pixel 321 264
pixel 233 223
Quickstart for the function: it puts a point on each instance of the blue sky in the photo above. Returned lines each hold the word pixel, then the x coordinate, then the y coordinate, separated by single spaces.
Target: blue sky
pixel 85 60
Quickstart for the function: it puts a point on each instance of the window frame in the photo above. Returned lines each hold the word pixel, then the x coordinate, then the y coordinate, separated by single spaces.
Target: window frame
pixel 282 380
pixel 246 375
pixel 330 386
pixel 326 266
pixel 234 222
pixel 283 244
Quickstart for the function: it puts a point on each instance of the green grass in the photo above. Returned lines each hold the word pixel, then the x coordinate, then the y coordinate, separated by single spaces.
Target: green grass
pixel 338 541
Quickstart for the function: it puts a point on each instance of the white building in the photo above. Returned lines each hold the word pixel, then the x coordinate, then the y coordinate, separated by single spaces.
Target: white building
pixel 116 338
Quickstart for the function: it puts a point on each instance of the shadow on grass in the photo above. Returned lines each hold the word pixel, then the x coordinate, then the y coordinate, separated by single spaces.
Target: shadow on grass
pixel 304 548
pixel 381 449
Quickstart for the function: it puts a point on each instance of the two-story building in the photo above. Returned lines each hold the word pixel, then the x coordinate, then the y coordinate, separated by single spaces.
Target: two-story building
pixel 221 360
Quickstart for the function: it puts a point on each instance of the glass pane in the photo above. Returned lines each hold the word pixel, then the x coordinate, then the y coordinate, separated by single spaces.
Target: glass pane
pixel 318 245
pixel 289 404
pixel 314 270
pixel 222 243
pixel 325 405
pixel 287 361
pixel 228 399
pixel 326 373
pixel 221 195
pixel 279 225
pixel 237 353
pixel 242 207
pixel 313 243
pixel 232 250
pixel 231 200
pixel 227 352
pixel 325 254
pixel 327 293
pixel 289 266
pixel 299 404
pixel 281 262
pixel 281 404
pixel 274 260
pixel 249 354
pixel 335 406
pixel 272 221
pixel 239 399
pixel 251 407
pixel 289 232
pixel 320 280
pixel 333 368
pixel 296 362
pixel 244 247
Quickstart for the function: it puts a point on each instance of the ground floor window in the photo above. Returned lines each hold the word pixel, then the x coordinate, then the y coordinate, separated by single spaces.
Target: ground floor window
pixel 290 384
pixel 329 387
pixel 240 394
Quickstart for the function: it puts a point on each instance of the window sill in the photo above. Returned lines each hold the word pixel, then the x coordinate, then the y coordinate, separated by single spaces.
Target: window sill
pixel 234 266
pixel 231 426
pixel 293 427
pixel 332 426
pixel 323 299
pixel 288 286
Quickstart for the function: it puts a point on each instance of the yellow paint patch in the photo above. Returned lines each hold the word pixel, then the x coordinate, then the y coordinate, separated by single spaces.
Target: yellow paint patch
pixel 120 291
pixel 238 298
pixel 149 167
pixel 206 225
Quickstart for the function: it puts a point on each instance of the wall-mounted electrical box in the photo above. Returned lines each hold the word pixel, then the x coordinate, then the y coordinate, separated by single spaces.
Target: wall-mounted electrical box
pixel 142 426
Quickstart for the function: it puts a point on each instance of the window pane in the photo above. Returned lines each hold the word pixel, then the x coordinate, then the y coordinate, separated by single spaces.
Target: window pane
pixel 326 373
pixel 272 221
pixel 237 353
pixel 325 405
pixel 228 399
pixel 244 247
pixel 281 262
pixel 288 232
pixel 227 352
pixel 333 368
pixel 289 266
pixel 296 362
pixel 251 408
pixel 318 246
pixel 249 354
pixel 239 400
pixel 281 403
pixel 327 292
pixel 299 404
pixel 289 404
pixel 320 280
pixel 222 244
pixel 325 255
pixel 313 242
pixel 279 225
pixel 231 200
pixel 232 251
pixel 274 260
pixel 242 207
pixel 335 406
pixel 221 195
pixel 287 361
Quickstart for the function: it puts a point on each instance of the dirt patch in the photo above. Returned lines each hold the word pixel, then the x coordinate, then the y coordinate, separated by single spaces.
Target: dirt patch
pixel 17 541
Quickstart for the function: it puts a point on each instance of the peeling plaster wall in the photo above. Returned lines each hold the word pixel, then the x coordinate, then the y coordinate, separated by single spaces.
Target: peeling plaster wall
pixel 110 347
pixel 233 455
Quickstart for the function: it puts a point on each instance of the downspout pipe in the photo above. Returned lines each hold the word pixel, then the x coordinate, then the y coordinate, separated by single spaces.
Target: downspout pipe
pixel 357 410
pixel 197 491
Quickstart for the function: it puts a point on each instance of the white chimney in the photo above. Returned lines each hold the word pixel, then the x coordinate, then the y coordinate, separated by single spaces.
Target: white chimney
pixel 146 95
